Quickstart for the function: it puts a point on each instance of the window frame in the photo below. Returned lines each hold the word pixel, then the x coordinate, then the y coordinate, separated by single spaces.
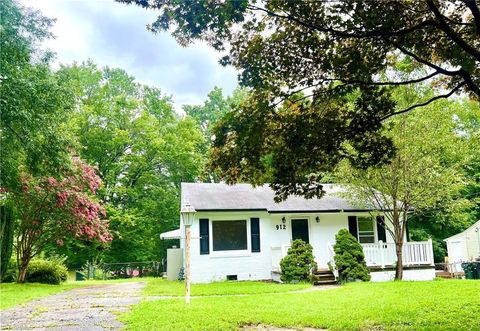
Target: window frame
pixel 374 230
pixel 230 252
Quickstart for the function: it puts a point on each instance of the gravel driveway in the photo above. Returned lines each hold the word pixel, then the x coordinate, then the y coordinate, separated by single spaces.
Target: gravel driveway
pixel 89 308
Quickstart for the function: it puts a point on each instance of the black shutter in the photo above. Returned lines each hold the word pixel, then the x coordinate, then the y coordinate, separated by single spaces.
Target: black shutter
pixel 204 239
pixel 255 234
pixel 352 226
pixel 382 235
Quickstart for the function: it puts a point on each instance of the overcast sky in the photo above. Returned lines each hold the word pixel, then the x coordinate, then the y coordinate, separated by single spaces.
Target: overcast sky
pixel 113 34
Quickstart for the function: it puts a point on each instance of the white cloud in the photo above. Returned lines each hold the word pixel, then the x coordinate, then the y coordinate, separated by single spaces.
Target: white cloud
pixel 115 35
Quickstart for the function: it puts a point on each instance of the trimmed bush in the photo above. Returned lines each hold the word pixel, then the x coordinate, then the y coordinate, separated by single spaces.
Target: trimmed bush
pixel 46 271
pixel 349 258
pixel 299 263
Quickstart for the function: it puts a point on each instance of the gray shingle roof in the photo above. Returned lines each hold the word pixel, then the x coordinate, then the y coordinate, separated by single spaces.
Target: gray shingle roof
pixel 220 196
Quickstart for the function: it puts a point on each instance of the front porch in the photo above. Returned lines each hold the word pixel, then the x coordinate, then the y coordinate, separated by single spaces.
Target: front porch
pixel 379 255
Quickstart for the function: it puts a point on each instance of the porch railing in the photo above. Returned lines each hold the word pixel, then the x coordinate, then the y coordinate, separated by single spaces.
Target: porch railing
pixel 413 254
pixel 278 253
pixel 417 253
pixel 331 259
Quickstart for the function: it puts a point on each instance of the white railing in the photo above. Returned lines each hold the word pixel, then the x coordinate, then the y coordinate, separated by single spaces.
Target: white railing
pixel 331 259
pixel 278 253
pixel 384 254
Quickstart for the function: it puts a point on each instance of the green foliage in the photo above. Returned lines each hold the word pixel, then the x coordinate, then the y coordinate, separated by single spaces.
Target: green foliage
pixel 299 262
pixel 35 102
pixel 426 172
pixel 142 150
pixel 349 258
pixel 11 271
pixel 51 271
pixel 6 238
pixel 208 115
pixel 455 213
pixel 333 50
pixel 214 109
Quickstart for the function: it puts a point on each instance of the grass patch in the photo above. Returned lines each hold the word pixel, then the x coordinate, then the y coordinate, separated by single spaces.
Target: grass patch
pixel 12 294
pixel 161 287
pixel 435 305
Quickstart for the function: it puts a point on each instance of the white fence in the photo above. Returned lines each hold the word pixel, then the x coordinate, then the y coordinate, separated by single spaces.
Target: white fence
pixel 384 254
pixel 277 253
pixel 415 253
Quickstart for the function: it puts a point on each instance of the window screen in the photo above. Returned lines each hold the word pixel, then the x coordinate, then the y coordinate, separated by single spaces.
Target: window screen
pixel 229 235
pixel 366 232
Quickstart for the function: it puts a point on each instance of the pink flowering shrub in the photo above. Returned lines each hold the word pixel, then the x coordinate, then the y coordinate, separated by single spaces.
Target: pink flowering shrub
pixel 52 210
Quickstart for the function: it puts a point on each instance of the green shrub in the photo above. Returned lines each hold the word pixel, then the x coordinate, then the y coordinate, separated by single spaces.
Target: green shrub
pixel 46 271
pixel 349 258
pixel 11 273
pixel 299 263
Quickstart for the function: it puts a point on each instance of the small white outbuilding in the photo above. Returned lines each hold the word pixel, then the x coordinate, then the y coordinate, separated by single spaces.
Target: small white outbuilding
pixel 464 246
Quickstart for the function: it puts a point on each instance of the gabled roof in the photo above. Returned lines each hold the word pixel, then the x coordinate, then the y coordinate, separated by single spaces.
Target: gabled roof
pixel 223 197
pixel 455 236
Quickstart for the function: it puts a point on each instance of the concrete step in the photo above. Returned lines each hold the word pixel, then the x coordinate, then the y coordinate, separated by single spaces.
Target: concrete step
pixel 325 282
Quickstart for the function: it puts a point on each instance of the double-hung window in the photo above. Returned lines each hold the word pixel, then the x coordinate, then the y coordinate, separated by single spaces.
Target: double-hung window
pixel 366 230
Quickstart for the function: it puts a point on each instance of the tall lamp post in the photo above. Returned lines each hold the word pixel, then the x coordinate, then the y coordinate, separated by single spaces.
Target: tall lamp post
pixel 188 215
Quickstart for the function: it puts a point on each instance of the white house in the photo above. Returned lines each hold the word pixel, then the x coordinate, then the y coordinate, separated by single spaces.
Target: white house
pixel 240 233
pixel 464 246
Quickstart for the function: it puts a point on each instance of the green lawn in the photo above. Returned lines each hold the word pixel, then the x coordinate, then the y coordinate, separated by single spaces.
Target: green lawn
pixel 161 287
pixel 435 305
pixel 12 293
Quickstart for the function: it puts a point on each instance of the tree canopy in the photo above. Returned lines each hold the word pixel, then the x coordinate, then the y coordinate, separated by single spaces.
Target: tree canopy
pixel 142 150
pixel 426 173
pixel 127 135
pixel 326 50
pixel 52 210
pixel 35 102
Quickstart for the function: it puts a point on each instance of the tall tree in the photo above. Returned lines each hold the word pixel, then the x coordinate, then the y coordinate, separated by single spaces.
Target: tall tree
pixel 214 108
pixel 208 115
pixel 327 50
pixel 447 219
pixel 425 173
pixel 34 101
pixel 142 149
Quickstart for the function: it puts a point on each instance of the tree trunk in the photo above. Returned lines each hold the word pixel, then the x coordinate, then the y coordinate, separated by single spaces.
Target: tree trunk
pixel 22 272
pixel 399 267
pixel 6 238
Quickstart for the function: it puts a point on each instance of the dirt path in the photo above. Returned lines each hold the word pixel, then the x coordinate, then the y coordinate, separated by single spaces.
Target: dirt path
pixel 88 308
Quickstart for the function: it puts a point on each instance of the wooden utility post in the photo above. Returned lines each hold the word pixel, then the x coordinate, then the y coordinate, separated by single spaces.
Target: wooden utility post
pixel 187 264
pixel 188 215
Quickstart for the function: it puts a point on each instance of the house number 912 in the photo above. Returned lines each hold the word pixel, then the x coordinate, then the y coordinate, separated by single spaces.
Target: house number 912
pixel 281 227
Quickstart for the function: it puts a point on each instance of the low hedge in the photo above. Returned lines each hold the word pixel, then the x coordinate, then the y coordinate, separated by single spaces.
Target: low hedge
pixel 46 272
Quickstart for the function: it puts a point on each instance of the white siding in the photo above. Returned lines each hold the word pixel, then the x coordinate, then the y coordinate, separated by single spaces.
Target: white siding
pixel 473 244
pixel 464 246
pixel 258 266
pixel 408 275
